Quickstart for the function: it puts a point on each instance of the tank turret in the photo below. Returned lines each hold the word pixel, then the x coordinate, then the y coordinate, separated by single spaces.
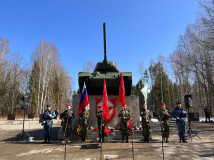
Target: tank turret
pixel 105 70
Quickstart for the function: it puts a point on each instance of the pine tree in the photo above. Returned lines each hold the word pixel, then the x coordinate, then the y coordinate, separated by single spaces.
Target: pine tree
pixel 160 87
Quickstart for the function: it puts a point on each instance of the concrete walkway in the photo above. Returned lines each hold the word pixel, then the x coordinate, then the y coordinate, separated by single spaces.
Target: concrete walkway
pixel 197 149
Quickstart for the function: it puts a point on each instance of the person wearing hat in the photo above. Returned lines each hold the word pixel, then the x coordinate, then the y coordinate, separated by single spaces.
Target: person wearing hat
pixel 125 117
pixel 164 118
pixel 180 115
pixel 47 122
pixel 146 119
pixel 67 116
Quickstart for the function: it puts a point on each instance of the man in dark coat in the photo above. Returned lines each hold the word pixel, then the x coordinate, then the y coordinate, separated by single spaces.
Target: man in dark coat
pixel 47 122
pixel 180 115
pixel 207 113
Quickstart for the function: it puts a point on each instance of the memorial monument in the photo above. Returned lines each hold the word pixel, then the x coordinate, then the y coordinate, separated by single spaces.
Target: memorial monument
pixel 94 83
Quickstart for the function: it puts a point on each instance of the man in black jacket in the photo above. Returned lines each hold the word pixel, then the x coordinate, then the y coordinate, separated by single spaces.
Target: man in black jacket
pixel 207 113
pixel 180 115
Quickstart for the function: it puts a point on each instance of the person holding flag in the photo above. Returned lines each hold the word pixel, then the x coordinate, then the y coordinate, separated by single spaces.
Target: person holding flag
pixel 84 114
pixel 103 115
pixel 124 113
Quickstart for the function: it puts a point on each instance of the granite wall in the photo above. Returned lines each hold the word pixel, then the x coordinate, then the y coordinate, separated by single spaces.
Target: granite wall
pixel 131 101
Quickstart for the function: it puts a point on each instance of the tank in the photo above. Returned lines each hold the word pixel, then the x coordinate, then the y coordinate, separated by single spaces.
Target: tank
pixel 105 70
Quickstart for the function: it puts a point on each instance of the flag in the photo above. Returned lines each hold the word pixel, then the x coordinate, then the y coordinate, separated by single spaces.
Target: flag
pixel 84 102
pixel 122 91
pixel 145 91
pixel 111 105
pixel 105 103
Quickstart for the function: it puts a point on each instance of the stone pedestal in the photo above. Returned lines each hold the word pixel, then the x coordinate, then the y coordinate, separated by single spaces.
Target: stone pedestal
pixel 131 101
pixel 93 135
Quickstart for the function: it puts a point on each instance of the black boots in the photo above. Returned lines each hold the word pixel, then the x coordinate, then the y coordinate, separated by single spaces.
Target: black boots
pixel 83 139
pixel 45 140
pixel 184 140
pixel 180 139
pixel 122 138
pixel 127 139
pixel 146 140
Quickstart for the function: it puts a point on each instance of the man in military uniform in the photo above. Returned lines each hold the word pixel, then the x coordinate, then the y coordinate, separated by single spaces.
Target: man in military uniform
pixel 67 116
pixel 180 115
pixel 164 118
pixel 125 117
pixel 83 125
pixel 146 119
pixel 101 124
pixel 47 122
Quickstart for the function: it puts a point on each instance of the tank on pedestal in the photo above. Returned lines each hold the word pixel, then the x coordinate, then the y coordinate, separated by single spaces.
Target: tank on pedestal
pixel 105 70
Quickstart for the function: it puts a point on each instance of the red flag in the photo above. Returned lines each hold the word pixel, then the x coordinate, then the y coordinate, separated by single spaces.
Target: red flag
pixel 105 103
pixel 122 91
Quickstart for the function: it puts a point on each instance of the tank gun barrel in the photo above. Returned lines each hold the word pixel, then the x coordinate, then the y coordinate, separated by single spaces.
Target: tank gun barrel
pixel 104 40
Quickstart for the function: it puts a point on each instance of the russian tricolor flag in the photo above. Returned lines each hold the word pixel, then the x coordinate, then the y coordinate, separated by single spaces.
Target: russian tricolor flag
pixel 84 102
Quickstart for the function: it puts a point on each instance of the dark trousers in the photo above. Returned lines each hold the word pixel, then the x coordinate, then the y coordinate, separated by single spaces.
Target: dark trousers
pixel 83 138
pixel 101 133
pixel 48 132
pixel 208 117
pixel 181 124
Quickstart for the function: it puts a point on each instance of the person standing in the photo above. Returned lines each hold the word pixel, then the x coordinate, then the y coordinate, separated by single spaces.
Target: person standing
pixel 164 118
pixel 83 123
pixel 207 113
pixel 67 116
pixel 125 117
pixel 146 119
pixel 101 124
pixel 180 115
pixel 47 122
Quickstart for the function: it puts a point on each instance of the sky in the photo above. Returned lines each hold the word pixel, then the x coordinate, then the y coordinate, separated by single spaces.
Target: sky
pixel 136 30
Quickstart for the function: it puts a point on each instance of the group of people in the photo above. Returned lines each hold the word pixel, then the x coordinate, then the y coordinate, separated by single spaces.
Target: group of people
pixel 66 117
pixel 179 114
pixel 126 127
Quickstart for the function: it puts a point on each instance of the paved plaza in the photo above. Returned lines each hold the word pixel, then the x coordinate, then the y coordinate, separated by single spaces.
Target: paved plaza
pixel 91 150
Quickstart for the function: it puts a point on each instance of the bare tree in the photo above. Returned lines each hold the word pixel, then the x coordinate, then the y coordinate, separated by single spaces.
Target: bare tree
pixel 141 70
pixel 46 55
pixel 88 67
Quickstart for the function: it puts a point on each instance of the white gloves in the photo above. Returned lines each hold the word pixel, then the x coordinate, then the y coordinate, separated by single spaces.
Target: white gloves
pixel 184 112
pixel 177 118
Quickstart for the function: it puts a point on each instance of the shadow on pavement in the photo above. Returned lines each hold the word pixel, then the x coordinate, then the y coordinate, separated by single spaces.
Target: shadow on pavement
pixel 90 146
pixel 37 134
pixel 207 155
